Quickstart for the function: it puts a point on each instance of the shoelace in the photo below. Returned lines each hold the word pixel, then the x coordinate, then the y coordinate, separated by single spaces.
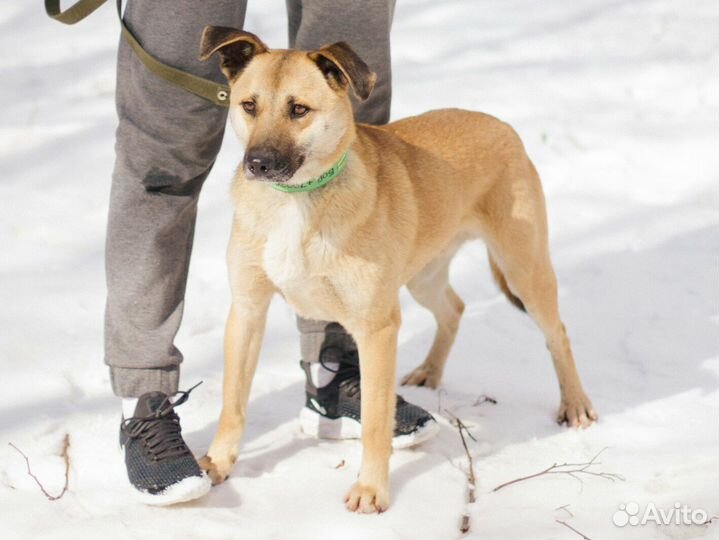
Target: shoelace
pixel 348 368
pixel 161 430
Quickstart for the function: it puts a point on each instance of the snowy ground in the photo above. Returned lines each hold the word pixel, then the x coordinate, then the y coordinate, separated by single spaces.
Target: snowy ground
pixel 617 102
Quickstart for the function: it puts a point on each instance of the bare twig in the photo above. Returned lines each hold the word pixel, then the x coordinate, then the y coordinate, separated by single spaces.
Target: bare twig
pixel 484 398
pixel 709 520
pixel 565 507
pixel 568 526
pixel 64 454
pixel 455 421
pixel 465 524
pixel 440 393
pixel 570 469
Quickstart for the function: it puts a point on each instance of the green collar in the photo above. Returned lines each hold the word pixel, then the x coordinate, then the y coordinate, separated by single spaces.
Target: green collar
pixel 315 183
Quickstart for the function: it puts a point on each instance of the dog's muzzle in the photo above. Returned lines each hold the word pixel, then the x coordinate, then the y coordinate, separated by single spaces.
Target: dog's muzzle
pixel 267 164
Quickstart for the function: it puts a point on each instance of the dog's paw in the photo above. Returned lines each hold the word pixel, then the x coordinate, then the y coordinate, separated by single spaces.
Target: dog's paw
pixel 367 499
pixel 422 376
pixel 216 470
pixel 576 410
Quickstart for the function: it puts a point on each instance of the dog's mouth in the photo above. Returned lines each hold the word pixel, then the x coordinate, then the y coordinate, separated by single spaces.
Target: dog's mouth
pixel 279 178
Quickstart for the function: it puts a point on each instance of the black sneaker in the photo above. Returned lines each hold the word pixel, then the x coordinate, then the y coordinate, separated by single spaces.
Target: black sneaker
pixel 160 466
pixel 333 411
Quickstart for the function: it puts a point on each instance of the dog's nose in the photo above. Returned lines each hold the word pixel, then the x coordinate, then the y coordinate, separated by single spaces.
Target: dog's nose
pixel 264 162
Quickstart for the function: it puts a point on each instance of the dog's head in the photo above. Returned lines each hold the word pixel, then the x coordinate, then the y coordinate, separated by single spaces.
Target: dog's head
pixel 290 109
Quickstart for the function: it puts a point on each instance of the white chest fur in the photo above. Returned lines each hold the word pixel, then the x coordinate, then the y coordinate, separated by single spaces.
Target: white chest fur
pixel 309 267
pixel 284 259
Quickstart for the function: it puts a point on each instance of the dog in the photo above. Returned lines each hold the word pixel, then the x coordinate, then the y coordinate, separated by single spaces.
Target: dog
pixel 402 199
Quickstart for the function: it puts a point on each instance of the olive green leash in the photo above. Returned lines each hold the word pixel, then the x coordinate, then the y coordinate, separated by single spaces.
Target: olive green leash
pixel 219 94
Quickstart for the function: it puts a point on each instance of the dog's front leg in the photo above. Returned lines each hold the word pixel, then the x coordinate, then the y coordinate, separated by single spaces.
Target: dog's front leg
pixel 243 337
pixel 377 347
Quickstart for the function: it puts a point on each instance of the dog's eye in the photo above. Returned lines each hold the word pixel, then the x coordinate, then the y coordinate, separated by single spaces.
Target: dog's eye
pixel 298 111
pixel 249 107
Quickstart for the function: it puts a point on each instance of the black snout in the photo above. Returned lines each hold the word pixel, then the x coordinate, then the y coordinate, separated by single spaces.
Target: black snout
pixel 265 163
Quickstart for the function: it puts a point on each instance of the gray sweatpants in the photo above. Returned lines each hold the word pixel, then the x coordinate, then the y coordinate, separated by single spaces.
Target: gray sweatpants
pixel 167 140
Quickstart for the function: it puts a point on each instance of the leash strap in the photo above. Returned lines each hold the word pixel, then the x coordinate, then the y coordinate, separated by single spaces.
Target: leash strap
pixel 219 94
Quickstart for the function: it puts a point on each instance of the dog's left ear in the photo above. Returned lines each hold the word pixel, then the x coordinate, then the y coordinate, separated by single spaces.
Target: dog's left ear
pixel 235 47
pixel 341 66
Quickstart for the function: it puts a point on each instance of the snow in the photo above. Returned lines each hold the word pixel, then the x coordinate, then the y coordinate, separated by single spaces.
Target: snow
pixel 617 103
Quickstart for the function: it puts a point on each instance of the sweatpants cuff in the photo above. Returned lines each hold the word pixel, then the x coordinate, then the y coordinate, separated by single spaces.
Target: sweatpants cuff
pixel 316 336
pixel 133 382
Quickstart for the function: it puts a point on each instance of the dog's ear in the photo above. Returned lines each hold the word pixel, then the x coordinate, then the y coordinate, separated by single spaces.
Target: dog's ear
pixel 341 66
pixel 235 47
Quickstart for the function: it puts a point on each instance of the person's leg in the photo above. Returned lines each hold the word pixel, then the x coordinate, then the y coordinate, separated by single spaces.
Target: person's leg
pixel 366 27
pixel 329 354
pixel 167 141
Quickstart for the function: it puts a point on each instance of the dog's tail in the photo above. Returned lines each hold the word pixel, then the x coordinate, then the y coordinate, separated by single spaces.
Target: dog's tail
pixel 502 284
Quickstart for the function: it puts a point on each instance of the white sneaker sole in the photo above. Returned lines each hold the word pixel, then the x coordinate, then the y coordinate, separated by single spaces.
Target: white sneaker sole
pixel 185 490
pixel 315 425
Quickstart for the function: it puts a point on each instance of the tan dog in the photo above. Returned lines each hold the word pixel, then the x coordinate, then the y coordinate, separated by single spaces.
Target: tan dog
pixel 410 194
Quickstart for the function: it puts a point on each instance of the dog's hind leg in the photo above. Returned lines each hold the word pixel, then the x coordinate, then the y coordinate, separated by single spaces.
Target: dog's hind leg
pixel 432 290
pixel 519 254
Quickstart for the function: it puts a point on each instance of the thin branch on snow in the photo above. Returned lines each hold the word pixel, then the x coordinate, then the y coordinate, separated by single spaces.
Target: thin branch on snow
pixel 570 469
pixel 456 422
pixel 484 398
pixel 568 526
pixel 565 507
pixel 440 393
pixel 464 525
pixel 66 458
